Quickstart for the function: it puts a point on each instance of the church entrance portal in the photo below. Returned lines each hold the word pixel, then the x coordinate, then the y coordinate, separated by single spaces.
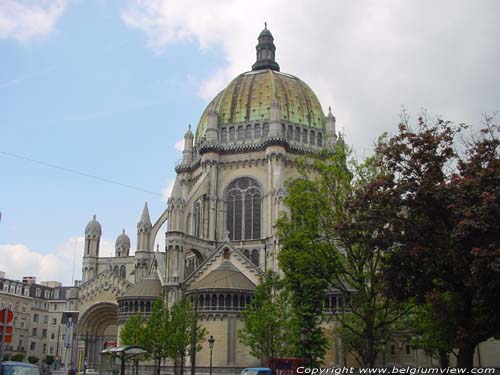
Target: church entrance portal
pixel 96 328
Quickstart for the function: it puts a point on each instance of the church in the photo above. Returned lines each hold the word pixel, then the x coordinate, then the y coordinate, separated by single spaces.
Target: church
pixel 220 217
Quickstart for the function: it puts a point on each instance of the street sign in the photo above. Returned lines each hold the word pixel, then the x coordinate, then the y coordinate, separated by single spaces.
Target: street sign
pixel 8 330
pixel 6 315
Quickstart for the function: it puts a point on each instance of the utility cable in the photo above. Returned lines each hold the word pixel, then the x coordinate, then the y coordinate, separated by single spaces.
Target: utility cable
pixel 69 170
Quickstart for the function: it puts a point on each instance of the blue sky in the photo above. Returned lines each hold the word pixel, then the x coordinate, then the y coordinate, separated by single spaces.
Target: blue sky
pixel 109 87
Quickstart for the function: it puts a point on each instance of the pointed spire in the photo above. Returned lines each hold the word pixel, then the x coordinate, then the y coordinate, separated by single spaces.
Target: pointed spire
pixel 145 219
pixel 189 133
pixel 265 51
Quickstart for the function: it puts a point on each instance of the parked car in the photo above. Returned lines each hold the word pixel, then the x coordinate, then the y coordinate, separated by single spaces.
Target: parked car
pixel 18 368
pixel 72 370
pixel 256 371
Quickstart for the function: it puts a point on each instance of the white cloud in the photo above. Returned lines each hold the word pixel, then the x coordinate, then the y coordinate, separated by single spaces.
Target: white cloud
pixel 18 260
pixel 179 145
pixel 365 59
pixel 25 20
pixel 168 189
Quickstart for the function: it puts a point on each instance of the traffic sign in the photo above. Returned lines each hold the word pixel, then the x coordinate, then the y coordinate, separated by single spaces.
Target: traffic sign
pixel 7 340
pixel 6 315
pixel 8 330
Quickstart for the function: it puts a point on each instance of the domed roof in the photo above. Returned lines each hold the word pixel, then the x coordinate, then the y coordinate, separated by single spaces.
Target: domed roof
pixel 93 228
pixel 147 287
pixel 249 96
pixel 123 241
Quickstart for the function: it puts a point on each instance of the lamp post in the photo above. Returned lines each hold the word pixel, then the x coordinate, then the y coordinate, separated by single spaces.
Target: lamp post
pixel 211 342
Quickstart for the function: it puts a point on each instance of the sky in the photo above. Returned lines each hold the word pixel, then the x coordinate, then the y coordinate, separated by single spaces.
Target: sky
pixel 108 88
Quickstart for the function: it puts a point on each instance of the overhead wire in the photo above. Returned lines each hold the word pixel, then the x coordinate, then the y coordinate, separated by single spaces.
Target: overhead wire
pixel 74 171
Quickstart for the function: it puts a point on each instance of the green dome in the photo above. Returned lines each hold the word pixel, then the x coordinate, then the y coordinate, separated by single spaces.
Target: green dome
pixel 248 98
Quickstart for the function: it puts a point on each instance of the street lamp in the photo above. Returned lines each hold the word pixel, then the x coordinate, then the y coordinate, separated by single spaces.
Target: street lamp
pixel 211 342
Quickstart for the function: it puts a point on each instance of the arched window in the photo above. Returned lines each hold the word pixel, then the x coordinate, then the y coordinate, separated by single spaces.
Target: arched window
pixel 246 252
pixel 243 209
pixel 248 134
pixel 304 136
pixel 320 139
pixel 241 133
pixel 197 219
pixel 289 134
pixel 223 135
pixel 265 130
pixel 123 271
pixel 297 134
pixel 257 132
pixel 312 137
pixel 231 133
pixel 255 257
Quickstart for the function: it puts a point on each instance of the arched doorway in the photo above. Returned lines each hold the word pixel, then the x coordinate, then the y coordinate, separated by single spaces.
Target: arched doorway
pixel 97 325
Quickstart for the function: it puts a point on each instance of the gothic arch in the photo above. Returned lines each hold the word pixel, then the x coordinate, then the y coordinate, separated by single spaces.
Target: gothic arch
pixel 243 208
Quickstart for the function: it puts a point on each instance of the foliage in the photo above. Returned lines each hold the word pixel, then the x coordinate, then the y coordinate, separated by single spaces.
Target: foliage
pixel 180 331
pixel 48 359
pixel 330 221
pixel 6 357
pixel 445 202
pixel 33 359
pixel 133 331
pixel 156 337
pixel 18 357
pixel 268 322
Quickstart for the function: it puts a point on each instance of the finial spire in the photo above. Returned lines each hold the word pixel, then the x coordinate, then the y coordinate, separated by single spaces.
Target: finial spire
pixel 265 25
pixel 94 218
pixel 123 231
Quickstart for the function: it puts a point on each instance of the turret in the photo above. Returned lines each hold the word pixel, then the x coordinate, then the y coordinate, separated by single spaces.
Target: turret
pixel 93 232
pixel 122 245
pixel 331 135
pixel 275 130
pixel 144 227
pixel 212 133
pixel 187 153
pixel 175 207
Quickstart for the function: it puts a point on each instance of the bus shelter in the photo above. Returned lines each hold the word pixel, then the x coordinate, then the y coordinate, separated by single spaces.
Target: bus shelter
pixel 114 359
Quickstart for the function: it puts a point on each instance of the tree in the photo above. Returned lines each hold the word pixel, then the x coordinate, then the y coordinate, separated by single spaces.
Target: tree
pixel 445 198
pixel 180 331
pixel 268 322
pixel 156 337
pixel 133 333
pixel 332 241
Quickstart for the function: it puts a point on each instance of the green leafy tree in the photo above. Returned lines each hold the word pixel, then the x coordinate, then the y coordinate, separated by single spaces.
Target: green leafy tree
pixel 156 337
pixel 181 332
pixel 268 322
pixel 332 241
pixel 133 333
pixel 445 197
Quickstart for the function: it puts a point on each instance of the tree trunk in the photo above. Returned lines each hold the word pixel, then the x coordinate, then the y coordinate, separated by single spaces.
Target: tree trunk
pixel 444 359
pixel 465 358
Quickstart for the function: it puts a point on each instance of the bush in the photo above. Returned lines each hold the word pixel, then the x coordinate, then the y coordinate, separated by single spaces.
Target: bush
pixel 33 359
pixel 18 357
pixel 48 360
